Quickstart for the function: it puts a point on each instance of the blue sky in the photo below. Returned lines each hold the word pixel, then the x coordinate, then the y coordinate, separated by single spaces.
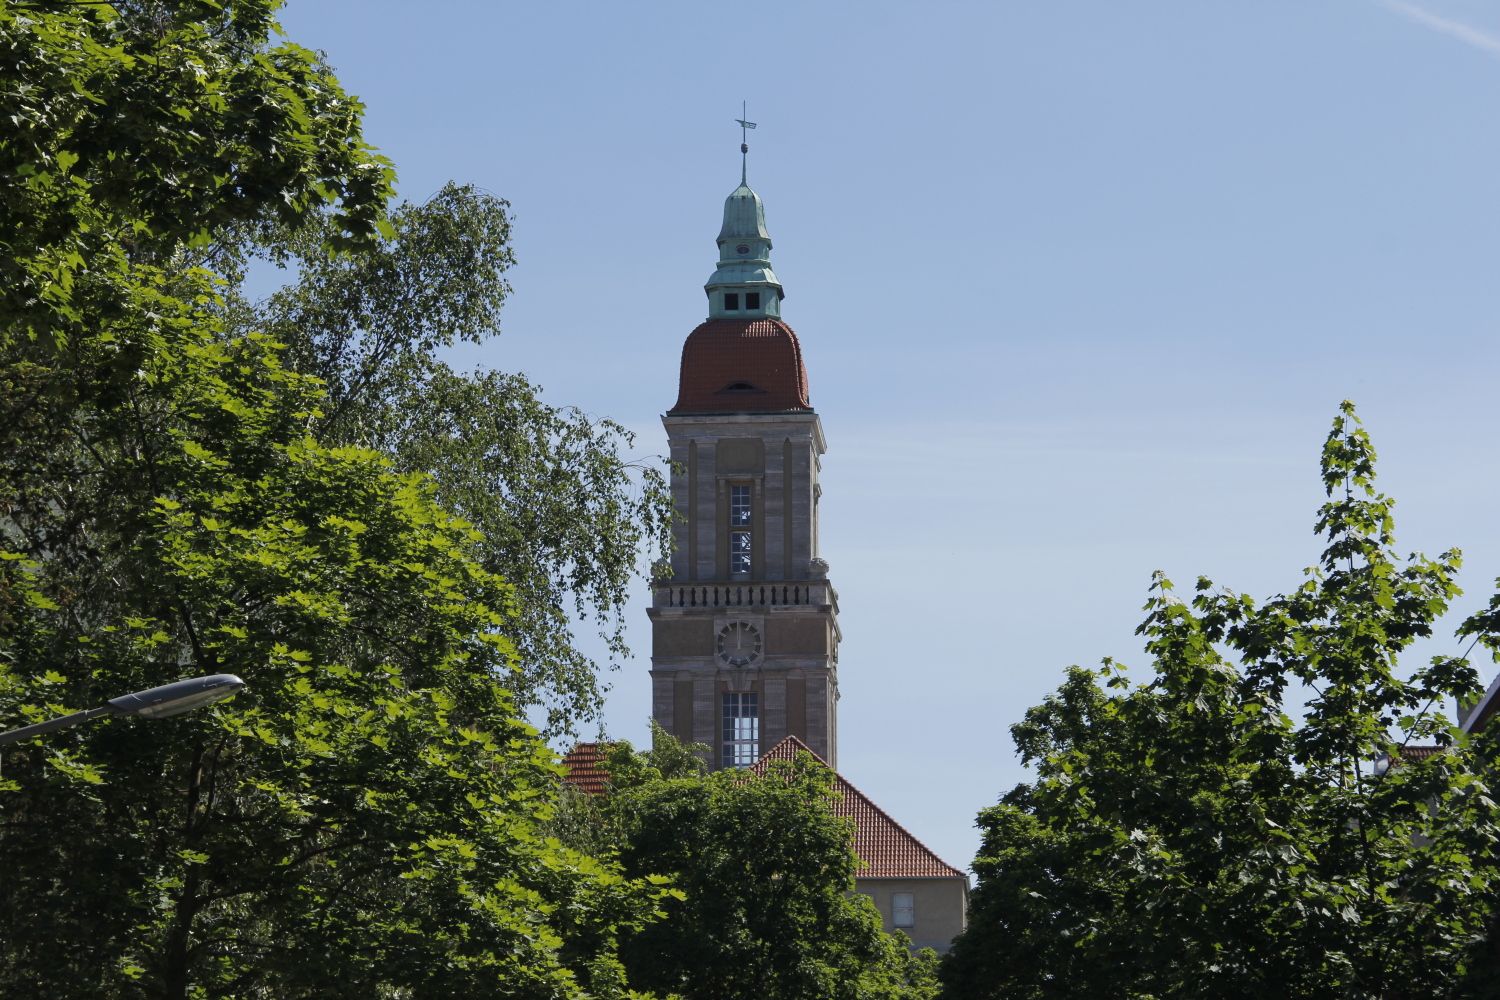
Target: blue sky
pixel 1079 286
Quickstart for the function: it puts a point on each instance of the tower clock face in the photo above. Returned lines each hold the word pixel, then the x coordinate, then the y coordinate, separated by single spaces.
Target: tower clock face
pixel 739 644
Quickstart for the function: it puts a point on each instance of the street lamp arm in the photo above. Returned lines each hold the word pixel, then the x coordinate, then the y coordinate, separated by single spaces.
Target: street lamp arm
pixel 156 703
pixel 61 722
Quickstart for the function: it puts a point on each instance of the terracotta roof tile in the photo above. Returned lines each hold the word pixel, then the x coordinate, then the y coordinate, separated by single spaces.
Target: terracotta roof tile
pixel 584 768
pixel 884 845
pixel 742 365
pixel 1420 753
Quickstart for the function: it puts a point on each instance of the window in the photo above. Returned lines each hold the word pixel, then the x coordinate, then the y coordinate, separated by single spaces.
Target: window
pixel 903 910
pixel 741 730
pixel 739 541
pixel 739 505
pixel 752 300
pixel 731 300
pixel 739 553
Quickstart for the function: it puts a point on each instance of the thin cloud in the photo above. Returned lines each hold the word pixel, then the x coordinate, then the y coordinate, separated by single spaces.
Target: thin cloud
pixel 1464 33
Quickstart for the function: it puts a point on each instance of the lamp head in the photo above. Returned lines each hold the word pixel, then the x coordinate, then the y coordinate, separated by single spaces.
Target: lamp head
pixel 177 697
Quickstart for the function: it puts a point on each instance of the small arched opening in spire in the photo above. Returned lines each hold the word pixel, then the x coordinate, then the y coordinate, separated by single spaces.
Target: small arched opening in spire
pixel 740 388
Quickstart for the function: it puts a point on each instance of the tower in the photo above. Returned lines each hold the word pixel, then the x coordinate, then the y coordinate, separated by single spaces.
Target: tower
pixel 745 628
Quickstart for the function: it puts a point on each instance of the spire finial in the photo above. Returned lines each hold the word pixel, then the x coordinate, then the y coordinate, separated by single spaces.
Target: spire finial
pixel 744 146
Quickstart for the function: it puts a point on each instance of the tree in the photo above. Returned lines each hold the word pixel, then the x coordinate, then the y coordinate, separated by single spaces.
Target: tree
pixel 1190 837
pixel 763 874
pixel 100 168
pixel 563 514
pixel 364 818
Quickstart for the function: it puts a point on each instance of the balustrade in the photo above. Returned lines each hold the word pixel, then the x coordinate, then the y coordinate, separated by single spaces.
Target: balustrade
pixel 738 595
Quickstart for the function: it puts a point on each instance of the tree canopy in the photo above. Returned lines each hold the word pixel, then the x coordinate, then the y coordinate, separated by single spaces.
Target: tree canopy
pixel 563 514
pixel 365 818
pixel 763 876
pixel 1206 835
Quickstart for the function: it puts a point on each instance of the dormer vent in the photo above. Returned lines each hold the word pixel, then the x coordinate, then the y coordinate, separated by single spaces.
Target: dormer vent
pixel 740 389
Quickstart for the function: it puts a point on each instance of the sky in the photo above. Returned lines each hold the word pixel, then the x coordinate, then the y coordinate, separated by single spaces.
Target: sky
pixel 1079 285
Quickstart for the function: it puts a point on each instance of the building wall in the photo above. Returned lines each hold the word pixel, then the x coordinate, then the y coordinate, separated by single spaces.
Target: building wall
pixel 940 906
pixel 786 598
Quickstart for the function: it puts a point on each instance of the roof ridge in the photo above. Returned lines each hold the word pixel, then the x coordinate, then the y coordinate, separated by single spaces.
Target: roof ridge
pixel 796 745
pixel 845 786
pixel 893 821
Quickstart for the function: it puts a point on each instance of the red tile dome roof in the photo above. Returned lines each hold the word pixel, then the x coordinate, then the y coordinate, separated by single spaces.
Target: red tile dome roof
pixel 742 366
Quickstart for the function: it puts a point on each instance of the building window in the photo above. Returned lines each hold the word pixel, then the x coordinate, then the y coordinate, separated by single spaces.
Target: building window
pixel 903 910
pixel 739 553
pixel 739 505
pixel 741 730
pixel 752 300
pixel 739 541
pixel 731 300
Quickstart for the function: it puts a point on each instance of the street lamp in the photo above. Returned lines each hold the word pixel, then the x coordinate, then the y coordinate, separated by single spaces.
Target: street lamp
pixel 156 703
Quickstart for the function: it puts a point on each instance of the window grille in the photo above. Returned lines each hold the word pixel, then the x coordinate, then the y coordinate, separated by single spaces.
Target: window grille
pixel 739 505
pixel 739 553
pixel 741 729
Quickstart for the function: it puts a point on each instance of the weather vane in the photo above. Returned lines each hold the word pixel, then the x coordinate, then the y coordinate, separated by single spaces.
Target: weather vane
pixel 744 146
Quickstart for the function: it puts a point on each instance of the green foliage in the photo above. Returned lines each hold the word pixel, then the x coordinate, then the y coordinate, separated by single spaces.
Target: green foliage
pixel 563 515
pixel 365 812
pixel 1191 838
pixel 364 819
pixel 667 760
pixel 131 128
pixel 763 873
pixel 588 823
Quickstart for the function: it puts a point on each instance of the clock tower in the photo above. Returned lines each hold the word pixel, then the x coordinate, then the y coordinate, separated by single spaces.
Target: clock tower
pixel 744 621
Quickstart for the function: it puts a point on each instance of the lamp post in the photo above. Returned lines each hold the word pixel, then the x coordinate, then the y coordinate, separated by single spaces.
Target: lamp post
pixel 156 703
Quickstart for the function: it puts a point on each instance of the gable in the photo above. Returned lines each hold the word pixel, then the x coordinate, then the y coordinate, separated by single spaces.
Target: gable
pixel 885 846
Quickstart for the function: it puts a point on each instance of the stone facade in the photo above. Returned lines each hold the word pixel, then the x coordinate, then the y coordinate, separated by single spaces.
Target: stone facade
pixel 936 910
pixel 745 633
pixel 790 659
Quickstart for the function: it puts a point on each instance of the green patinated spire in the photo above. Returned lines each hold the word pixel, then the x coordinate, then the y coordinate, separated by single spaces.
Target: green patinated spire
pixel 744 286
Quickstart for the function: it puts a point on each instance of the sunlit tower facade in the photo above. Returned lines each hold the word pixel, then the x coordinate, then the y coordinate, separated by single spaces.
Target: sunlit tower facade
pixel 745 631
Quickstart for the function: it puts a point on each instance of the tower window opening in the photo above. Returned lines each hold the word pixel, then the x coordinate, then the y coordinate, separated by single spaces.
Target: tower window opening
pixel 903 909
pixel 739 505
pixel 741 729
pixel 732 300
pixel 752 300
pixel 739 553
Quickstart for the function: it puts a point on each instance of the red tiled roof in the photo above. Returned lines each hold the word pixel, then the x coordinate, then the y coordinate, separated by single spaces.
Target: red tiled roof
pixel 742 365
pixel 884 845
pixel 584 768
pixel 1420 753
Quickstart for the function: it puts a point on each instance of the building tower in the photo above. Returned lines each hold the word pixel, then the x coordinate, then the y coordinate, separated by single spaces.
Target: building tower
pixel 745 628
